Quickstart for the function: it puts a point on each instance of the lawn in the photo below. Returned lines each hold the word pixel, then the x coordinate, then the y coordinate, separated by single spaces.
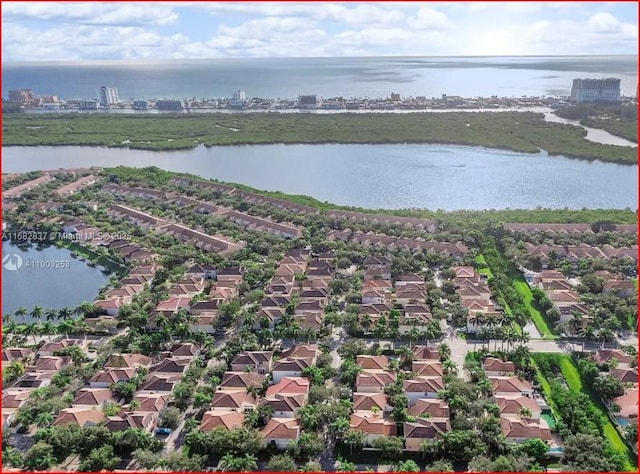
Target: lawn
pixel 485 270
pixel 572 377
pixel 523 289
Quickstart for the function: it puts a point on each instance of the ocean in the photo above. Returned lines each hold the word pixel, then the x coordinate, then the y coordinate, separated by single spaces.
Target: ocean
pixel 373 77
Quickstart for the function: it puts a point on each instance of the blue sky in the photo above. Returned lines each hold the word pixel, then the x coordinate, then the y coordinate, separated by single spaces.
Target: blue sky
pixel 60 31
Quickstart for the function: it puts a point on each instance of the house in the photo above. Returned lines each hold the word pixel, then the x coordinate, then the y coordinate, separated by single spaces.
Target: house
pixel 513 405
pixel 375 425
pixel 231 274
pixel 13 398
pixel 625 374
pixel 497 367
pixel 313 321
pixel 372 363
pixel 208 306
pixel 34 379
pixel 92 397
pixel 146 421
pixel 50 363
pixel 106 378
pixel 228 420
pixel 127 361
pixel 290 386
pixel 628 403
pixel 607 356
pixel 233 381
pixel 518 429
pixel 411 294
pixel 80 416
pixel 288 367
pixel 258 361
pixel 19 354
pixel 172 366
pixel 374 381
pixel 424 430
pixel 173 305
pixel 371 402
pixel 426 353
pixel 159 383
pixel 427 368
pixel 507 386
pixel 268 317
pixel 239 401
pixel 205 322
pixel 151 402
pixel 304 351
pixel 410 279
pixel 422 387
pixel 279 432
pixel 184 349
pixel 284 405
pixel 51 347
pixel 429 408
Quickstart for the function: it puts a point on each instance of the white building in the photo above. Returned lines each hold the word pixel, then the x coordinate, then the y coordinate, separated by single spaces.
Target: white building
pixel 108 96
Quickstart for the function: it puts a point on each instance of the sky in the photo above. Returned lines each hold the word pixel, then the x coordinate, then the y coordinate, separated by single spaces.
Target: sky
pixel 79 31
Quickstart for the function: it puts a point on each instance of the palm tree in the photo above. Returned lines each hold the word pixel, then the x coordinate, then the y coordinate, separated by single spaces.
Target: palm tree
pixel 7 318
pixel 65 313
pixel 14 370
pixel 231 463
pixel 339 427
pixel 444 351
pixel 32 330
pixel 450 367
pixel 50 315
pixel 21 313
pixel 37 312
pixel 365 322
pixel 605 335
pixel 49 329
pixel 354 438
pixel 525 412
pixel 66 327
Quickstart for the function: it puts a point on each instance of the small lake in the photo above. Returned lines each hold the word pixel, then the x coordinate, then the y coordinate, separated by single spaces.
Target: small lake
pixel 48 276
pixel 376 176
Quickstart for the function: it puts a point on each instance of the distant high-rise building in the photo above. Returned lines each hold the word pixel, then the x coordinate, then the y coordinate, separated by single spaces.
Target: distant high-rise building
pixel 108 96
pixel 239 95
pixel 239 100
pixel 169 104
pixel 595 90
pixel 308 101
pixel 24 96
pixel 395 97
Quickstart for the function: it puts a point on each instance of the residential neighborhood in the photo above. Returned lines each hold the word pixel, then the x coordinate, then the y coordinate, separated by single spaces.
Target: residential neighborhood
pixel 241 332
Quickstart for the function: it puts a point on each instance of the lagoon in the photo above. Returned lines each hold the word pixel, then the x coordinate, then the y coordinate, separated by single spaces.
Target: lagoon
pixel 447 177
pixel 49 276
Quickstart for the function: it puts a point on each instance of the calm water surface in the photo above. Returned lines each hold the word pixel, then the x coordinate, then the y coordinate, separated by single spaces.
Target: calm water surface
pixel 38 284
pixel 328 77
pixel 376 176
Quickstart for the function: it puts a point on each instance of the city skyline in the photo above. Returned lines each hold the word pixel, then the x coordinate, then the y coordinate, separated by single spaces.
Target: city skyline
pixel 163 31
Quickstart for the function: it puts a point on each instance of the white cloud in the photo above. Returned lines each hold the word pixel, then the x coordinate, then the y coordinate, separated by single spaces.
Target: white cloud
pixel 89 13
pixel 335 12
pixel 130 31
pixel 428 18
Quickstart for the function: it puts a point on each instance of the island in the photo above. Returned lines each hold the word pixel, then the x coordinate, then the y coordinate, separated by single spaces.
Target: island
pixel 526 132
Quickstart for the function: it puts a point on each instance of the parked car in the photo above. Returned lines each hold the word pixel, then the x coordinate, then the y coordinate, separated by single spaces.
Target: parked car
pixel 163 431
